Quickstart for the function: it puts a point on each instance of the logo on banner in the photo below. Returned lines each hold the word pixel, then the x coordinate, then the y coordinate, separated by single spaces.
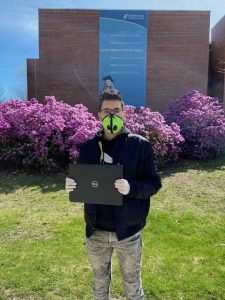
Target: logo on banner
pixel 133 17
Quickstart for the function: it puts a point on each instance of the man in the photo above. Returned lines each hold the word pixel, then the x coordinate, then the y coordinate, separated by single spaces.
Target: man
pixel 118 228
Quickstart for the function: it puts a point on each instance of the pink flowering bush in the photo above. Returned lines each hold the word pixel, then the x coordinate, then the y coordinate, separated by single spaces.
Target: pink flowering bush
pixel 166 139
pixel 44 137
pixel 202 122
pixel 3 126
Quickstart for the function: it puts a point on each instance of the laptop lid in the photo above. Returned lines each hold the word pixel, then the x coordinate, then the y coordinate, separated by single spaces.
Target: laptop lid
pixel 95 183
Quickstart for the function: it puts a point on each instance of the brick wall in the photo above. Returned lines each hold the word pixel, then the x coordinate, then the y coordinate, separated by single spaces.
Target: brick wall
pixel 178 52
pixel 31 78
pixel 68 64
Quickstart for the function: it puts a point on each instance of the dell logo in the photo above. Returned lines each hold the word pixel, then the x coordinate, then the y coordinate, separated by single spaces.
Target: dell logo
pixel 94 184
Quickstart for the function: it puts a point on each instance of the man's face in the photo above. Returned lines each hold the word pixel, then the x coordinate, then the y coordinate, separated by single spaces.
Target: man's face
pixel 111 106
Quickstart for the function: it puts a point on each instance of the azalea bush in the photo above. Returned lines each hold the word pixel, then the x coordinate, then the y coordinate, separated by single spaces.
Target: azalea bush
pixel 166 139
pixel 202 122
pixel 44 137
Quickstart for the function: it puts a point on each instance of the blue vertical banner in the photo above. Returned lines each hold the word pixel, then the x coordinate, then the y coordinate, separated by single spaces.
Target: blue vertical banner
pixel 123 53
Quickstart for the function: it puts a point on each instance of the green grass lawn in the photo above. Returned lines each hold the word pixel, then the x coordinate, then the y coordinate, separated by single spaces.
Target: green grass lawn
pixel 42 251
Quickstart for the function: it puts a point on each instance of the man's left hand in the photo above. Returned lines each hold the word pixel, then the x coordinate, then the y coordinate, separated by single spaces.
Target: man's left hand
pixel 123 186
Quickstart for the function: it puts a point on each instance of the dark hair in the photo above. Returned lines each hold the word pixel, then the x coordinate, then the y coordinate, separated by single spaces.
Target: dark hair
pixel 110 95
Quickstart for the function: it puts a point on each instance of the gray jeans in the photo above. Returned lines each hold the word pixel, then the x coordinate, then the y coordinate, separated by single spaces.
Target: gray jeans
pixel 100 247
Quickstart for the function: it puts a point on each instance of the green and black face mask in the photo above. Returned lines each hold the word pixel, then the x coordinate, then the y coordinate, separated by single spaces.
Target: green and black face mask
pixel 112 123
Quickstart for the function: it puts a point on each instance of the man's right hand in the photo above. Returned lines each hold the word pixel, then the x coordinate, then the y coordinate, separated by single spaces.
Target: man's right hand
pixel 70 184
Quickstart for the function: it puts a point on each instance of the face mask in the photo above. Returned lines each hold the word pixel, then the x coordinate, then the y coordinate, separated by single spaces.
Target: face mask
pixel 112 123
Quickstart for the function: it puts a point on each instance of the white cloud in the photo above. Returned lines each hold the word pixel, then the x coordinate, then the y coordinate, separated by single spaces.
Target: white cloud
pixel 22 24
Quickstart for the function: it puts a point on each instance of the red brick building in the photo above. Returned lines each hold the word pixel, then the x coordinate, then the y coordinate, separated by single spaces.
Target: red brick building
pixel 68 64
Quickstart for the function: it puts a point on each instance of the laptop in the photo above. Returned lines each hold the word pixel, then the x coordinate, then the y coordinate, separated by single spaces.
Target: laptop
pixel 95 183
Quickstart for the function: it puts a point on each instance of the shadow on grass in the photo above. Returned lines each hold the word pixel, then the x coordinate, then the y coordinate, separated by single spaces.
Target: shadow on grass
pixel 13 180
pixel 184 165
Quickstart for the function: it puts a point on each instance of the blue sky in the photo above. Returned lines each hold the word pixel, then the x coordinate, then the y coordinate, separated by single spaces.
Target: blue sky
pixel 19 29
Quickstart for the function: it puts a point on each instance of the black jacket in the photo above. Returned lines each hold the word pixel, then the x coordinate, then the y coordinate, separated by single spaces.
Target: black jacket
pixel 138 159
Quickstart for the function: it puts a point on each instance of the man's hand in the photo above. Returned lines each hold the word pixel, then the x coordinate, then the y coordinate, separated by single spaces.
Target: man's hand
pixel 123 186
pixel 70 184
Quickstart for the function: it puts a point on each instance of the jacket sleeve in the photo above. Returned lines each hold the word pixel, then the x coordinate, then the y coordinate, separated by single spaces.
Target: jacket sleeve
pixel 150 181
